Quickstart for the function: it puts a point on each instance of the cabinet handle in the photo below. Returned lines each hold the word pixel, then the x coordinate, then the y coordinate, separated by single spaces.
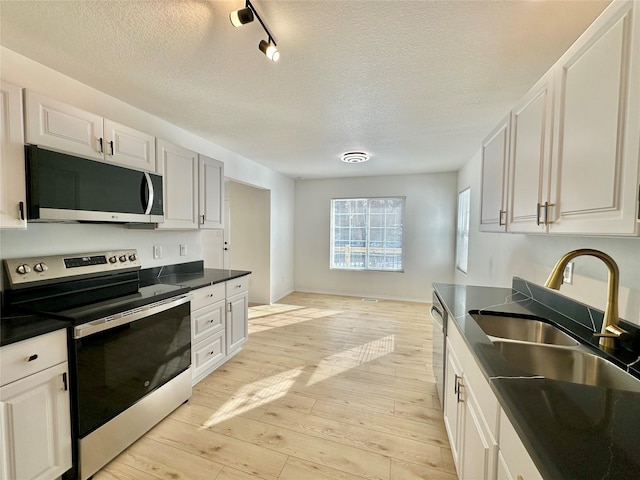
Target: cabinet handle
pixel 201 219
pixel 546 212
pixel 111 146
pixel 100 143
pixel 458 395
pixel 538 213
pixel 21 210
pixel 64 381
pixel 456 383
pixel 31 358
pixel 500 222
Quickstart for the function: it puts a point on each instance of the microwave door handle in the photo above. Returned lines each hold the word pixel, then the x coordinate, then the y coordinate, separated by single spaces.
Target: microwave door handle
pixel 150 190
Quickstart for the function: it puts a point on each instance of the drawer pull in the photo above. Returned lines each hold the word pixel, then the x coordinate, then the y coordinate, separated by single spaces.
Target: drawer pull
pixel 31 358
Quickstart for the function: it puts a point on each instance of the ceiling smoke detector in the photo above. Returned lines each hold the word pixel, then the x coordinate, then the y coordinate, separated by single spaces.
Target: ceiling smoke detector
pixel 354 157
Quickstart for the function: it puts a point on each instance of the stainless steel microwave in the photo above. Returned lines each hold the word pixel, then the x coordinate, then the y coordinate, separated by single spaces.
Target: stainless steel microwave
pixel 63 187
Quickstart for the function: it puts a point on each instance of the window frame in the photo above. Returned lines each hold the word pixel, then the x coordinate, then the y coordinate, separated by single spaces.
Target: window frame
pixel 367 241
pixel 462 231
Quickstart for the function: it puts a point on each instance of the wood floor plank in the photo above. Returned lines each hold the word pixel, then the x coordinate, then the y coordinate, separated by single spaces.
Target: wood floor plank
pixel 327 388
pixel 244 456
pixel 158 460
pixel 357 436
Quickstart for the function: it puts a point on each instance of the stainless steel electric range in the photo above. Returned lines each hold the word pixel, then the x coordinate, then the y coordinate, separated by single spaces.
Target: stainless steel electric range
pixel 129 346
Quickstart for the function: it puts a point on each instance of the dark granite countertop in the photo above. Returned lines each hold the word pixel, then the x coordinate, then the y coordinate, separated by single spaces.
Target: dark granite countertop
pixel 192 275
pixel 571 431
pixel 15 327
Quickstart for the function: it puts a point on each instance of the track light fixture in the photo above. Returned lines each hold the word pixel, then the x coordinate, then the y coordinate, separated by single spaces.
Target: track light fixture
pixel 246 15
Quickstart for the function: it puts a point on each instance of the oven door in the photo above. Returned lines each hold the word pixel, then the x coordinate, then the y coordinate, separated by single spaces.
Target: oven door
pixel 121 359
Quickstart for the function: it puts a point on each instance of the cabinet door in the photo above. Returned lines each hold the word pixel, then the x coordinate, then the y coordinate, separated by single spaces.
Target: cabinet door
pixel 211 192
pixel 453 414
pixel 128 147
pixel 529 159
pixel 35 426
pixel 597 130
pixel 179 168
pixel 207 355
pixel 493 199
pixel 207 320
pixel 12 180
pixel 479 452
pixel 237 321
pixel 58 126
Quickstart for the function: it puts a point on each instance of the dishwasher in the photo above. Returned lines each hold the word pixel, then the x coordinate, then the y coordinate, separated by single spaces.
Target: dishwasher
pixel 439 321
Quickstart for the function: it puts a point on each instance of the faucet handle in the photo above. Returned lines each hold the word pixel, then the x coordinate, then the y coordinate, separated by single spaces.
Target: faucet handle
pixel 613 331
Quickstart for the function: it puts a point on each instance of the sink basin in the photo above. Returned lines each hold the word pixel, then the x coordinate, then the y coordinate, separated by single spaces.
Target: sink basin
pixel 523 329
pixel 569 365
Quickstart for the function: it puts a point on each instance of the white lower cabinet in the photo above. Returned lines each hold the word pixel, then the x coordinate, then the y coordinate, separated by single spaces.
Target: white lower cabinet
pixel 483 442
pixel 514 462
pixel 470 413
pixel 219 325
pixel 237 313
pixel 35 415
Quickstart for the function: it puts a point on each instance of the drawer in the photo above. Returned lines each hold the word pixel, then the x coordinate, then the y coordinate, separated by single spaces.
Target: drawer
pixel 207 320
pixel 207 296
pixel 237 285
pixel 21 359
pixel 206 355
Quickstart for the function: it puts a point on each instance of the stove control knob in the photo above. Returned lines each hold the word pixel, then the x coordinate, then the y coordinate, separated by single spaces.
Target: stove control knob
pixel 40 267
pixel 24 268
pixel 133 257
pixel 123 258
pixel 113 259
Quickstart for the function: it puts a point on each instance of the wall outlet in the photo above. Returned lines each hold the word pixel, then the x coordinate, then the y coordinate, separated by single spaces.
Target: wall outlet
pixel 183 249
pixel 567 275
pixel 157 251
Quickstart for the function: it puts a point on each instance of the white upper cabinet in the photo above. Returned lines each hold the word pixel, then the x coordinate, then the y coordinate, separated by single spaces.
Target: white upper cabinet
pixel 211 192
pixel 574 141
pixel 179 168
pixel 128 147
pixel 65 128
pixel 529 159
pixel 495 152
pixel 12 178
pixel 62 127
pixel 597 128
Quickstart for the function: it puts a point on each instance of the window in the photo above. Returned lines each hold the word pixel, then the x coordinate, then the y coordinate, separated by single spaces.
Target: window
pixel 462 232
pixel 366 233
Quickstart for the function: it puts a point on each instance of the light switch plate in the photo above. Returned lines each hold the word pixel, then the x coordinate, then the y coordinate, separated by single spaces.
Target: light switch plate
pixel 183 249
pixel 567 275
pixel 157 251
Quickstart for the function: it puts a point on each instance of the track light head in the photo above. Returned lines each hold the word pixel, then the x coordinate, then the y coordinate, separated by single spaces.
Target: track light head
pixel 241 17
pixel 270 50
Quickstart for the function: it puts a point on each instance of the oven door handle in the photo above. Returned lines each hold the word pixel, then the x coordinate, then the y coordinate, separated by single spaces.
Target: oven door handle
pixel 129 316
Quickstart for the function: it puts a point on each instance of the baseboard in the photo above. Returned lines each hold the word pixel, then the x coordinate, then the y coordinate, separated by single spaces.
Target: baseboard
pixel 365 295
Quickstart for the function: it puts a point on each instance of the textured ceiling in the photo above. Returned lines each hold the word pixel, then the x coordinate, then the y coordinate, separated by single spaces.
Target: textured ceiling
pixel 417 84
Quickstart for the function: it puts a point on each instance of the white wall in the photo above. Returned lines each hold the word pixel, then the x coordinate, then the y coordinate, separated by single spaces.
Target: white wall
pixel 51 238
pixel 429 235
pixel 494 258
pixel 249 246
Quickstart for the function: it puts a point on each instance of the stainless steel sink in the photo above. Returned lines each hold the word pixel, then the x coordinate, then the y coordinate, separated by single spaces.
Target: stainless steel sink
pixel 522 329
pixel 567 364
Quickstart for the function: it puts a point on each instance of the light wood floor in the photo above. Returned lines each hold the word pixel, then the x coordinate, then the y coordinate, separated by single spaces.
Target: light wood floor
pixel 326 387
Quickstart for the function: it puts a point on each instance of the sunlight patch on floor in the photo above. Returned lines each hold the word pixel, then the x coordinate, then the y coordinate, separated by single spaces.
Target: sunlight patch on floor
pixel 255 394
pixel 360 354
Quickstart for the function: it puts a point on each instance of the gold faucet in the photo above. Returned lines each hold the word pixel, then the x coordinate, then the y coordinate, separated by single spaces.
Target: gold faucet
pixel 610 330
